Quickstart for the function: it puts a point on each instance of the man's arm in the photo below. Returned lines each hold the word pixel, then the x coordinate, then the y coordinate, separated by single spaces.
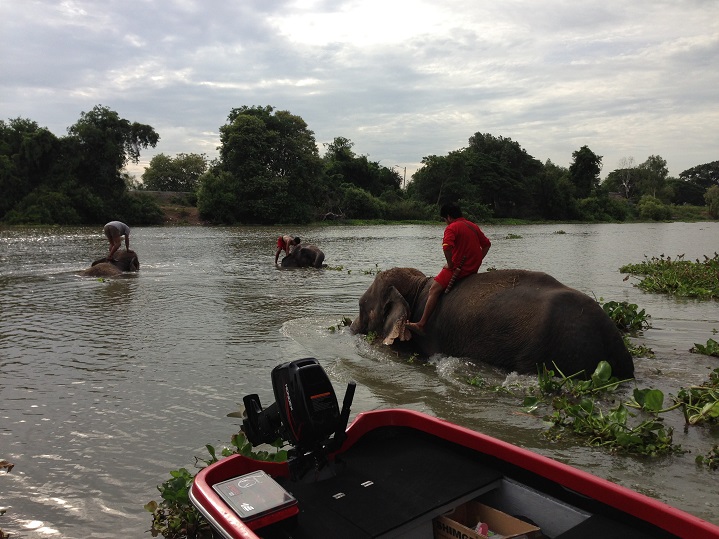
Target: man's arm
pixel 447 250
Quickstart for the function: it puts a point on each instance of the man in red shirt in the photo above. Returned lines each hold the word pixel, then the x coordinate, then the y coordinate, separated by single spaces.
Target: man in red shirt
pixel 464 246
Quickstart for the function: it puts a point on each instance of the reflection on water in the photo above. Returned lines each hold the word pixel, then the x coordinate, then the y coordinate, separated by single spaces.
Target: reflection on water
pixel 107 385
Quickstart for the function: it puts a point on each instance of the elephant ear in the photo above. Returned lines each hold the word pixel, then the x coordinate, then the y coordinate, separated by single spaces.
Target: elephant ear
pixel 396 311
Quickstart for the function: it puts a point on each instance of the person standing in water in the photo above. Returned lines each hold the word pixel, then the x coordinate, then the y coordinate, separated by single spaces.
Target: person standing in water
pixel 285 243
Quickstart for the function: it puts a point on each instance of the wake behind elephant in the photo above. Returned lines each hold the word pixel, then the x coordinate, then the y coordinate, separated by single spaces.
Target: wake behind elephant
pixel 513 319
pixel 122 261
pixel 304 256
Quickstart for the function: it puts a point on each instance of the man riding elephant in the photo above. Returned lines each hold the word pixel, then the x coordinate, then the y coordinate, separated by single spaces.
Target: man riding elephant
pixel 464 246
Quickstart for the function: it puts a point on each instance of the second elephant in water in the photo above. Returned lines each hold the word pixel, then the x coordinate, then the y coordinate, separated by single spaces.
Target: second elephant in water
pixel 122 261
pixel 304 256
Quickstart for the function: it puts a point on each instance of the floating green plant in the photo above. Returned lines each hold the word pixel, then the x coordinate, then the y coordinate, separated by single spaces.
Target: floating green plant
pixel 626 316
pixel 701 403
pixel 575 412
pixel 372 271
pixel 346 321
pixel 711 348
pixel 711 459
pixel 677 276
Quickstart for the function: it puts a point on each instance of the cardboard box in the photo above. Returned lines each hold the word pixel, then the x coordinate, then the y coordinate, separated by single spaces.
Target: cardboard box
pixel 460 523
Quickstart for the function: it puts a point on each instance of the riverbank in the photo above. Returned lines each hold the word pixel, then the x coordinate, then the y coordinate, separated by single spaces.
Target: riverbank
pixel 178 214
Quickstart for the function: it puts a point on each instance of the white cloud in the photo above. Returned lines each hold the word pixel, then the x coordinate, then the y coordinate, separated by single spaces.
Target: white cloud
pixel 402 79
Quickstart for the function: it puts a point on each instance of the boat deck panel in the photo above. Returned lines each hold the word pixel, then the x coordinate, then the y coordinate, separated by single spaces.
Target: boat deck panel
pixel 393 480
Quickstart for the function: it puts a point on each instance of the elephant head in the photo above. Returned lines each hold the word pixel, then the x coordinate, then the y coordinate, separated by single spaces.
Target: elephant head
pixel 384 307
pixel 122 261
pixel 304 256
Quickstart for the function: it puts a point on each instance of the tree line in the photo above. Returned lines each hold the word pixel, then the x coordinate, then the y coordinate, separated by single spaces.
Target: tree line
pixel 269 170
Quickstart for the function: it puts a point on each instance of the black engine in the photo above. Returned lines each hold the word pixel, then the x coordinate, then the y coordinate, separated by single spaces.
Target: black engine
pixel 305 414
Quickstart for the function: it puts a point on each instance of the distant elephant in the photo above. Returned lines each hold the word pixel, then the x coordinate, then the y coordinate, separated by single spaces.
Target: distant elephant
pixel 303 256
pixel 513 319
pixel 122 261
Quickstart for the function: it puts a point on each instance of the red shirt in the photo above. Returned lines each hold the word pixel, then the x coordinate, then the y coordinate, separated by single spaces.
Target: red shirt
pixel 468 244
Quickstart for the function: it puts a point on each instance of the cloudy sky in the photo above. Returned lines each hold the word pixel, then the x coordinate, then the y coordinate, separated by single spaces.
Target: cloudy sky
pixel 402 79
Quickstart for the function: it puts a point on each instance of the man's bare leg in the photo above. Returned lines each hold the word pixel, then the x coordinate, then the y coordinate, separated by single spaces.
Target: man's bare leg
pixel 114 246
pixel 434 292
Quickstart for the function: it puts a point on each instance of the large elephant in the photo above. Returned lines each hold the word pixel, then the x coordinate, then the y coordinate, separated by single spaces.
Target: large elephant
pixel 303 256
pixel 513 319
pixel 122 261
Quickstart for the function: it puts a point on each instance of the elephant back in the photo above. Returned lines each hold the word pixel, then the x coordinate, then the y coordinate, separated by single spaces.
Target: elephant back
pixel 518 319
pixel 123 261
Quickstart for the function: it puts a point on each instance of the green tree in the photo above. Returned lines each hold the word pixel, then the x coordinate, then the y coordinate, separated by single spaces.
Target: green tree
pixel 103 144
pixel 686 192
pixel 492 172
pixel 269 170
pixel 217 196
pixel 584 171
pixel 442 179
pixel 357 203
pixel 712 199
pixel 44 207
pixel 652 208
pixel 503 174
pixel 655 175
pixel 28 155
pixel 600 207
pixel 622 180
pixel 343 166
pixel 552 193
pixel 74 179
pixel 181 173
pixel 340 149
pixel 704 175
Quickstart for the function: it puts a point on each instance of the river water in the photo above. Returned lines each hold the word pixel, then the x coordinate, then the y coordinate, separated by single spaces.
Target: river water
pixel 107 385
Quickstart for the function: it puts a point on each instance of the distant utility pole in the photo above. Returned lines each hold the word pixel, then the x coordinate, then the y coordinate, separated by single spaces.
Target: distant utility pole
pixel 404 180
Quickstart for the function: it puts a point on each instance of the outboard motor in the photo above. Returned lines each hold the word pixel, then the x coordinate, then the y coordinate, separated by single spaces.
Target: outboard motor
pixel 305 414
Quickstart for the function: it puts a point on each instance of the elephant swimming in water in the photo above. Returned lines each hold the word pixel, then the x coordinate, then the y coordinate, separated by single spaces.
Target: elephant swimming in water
pixel 122 261
pixel 516 320
pixel 303 256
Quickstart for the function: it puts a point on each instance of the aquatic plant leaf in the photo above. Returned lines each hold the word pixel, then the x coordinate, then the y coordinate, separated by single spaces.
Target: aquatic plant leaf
pixel 651 400
pixel 602 374
pixel 530 404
